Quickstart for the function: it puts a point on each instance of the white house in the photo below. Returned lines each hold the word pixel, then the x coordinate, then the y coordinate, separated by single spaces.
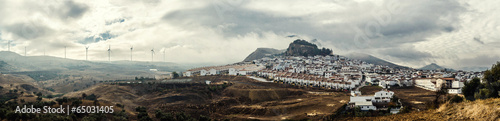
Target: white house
pixel 187 74
pixel 232 71
pixel 456 87
pixel 212 72
pixel 432 84
pixel 242 72
pixel 383 96
pixel 366 102
pixel 367 105
pixel 203 72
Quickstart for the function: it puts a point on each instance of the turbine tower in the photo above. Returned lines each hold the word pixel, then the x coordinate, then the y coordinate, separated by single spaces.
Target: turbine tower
pixel 131 48
pixel 109 53
pixel 86 53
pixel 9 44
pixel 64 52
pixel 164 60
pixel 152 54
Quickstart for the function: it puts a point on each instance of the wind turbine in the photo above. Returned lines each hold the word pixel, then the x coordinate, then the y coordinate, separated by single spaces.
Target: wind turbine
pixel 109 53
pixel 131 48
pixel 64 52
pixel 152 54
pixel 9 44
pixel 86 53
pixel 164 60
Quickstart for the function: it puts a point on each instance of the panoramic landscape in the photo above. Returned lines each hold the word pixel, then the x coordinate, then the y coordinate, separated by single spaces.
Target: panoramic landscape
pixel 176 60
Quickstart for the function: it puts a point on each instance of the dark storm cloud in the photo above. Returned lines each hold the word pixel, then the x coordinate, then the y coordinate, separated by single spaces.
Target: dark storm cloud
pixel 73 10
pixel 29 30
pixel 240 21
pixel 415 21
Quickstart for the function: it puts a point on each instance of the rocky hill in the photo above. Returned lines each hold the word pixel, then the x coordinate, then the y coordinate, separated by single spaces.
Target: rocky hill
pixel 261 53
pixel 304 48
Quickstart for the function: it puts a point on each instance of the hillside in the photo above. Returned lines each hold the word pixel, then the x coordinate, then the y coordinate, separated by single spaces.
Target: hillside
pixel 373 60
pixel 434 66
pixel 261 53
pixel 4 66
pixel 21 86
pixel 13 63
pixel 41 63
pixel 480 110
pixel 228 97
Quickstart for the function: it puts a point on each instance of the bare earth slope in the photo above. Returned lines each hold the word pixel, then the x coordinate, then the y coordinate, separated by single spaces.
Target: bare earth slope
pixel 228 97
pixel 480 110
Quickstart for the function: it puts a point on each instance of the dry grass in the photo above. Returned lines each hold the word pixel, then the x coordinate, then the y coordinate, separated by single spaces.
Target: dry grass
pixel 370 90
pixel 480 110
pixel 414 96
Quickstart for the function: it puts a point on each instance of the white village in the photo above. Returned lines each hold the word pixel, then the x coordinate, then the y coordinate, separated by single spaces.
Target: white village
pixel 336 72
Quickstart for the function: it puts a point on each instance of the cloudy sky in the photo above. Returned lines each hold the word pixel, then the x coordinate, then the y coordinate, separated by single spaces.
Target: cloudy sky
pixel 451 33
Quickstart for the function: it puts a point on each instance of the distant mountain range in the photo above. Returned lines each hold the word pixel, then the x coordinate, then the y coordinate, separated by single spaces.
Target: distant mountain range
pixel 373 60
pixel 11 62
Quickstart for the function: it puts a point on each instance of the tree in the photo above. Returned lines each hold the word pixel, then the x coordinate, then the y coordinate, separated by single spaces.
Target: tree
pixel 492 77
pixel 39 94
pixel 483 93
pixel 175 75
pixel 84 95
pixel 59 101
pixel 470 88
pixel 493 74
pixel 440 92
pixel 76 103
pixel 143 114
pixel 91 97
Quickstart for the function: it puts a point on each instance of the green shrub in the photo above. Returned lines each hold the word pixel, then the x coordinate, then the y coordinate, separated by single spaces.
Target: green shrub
pixel 456 99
